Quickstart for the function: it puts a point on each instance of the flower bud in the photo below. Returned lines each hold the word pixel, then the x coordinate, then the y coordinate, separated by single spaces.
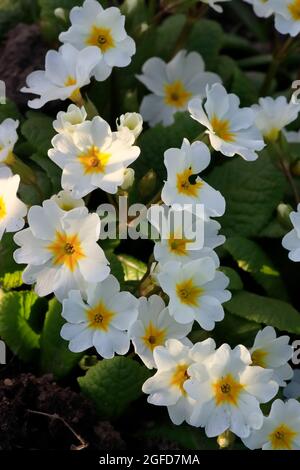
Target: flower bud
pixel 226 439
pixel 133 122
pixel 148 183
pixel 60 13
pixel 128 179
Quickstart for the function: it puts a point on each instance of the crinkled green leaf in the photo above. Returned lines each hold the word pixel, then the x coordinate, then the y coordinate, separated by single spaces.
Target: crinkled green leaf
pixel 55 355
pixel 206 38
pixel 167 35
pixel 235 281
pixel 9 110
pixel 186 436
pixel 10 271
pixel 244 88
pixel 134 269
pixel 265 310
pixel 38 130
pixel 53 171
pixel 113 384
pixel 252 191
pixel 155 141
pixel 250 257
pixel 15 329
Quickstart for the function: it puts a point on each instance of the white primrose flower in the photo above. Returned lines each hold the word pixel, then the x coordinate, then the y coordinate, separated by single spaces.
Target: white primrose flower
pixel 66 71
pixel 132 121
pixel 228 392
pixel 172 85
pixel 287 16
pixel 93 157
pixel 12 210
pixel 165 388
pixel 214 4
pixel 292 390
pixel 273 114
pixel 92 25
pixel 262 8
pixel 184 185
pixel 231 129
pixel 271 352
pixel 8 139
pixel 183 235
pixel 61 250
pixel 291 241
pixel 196 291
pixel 102 321
pixel 66 202
pixel 280 430
pixel 153 327
pixel 67 121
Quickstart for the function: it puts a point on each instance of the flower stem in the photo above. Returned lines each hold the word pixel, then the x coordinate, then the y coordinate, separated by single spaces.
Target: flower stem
pixel 278 58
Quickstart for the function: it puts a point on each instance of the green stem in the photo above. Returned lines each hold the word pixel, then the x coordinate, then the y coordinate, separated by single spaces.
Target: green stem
pixel 278 58
pixel 284 166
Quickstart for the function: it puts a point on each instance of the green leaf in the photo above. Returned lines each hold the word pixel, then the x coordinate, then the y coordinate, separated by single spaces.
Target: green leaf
pixel 155 141
pixel 15 329
pixel 55 355
pixel 250 257
pixel 38 130
pixel 167 34
pixel 10 271
pixel 234 330
pixel 134 269
pixel 226 69
pixel 265 310
pixel 244 88
pixel 116 266
pixel 136 13
pixel 252 191
pixel 113 384
pixel 53 171
pixel 248 17
pixel 9 110
pixel 51 25
pixel 184 435
pixel 206 38
pixel 234 278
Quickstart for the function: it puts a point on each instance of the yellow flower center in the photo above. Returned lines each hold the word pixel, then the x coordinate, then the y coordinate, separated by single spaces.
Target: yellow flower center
pixel 282 437
pixel 178 245
pixel 294 9
pixel 101 37
pixel 179 377
pixel 222 129
pixel 273 134
pixel 94 161
pixel 188 293
pixel 259 358
pixel 76 95
pixel 100 317
pixel 227 390
pixel 66 249
pixel 185 185
pixel 154 336
pixel 176 95
pixel 3 211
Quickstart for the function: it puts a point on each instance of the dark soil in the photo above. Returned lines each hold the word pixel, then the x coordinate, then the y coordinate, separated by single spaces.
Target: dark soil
pixel 22 52
pixel 38 414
